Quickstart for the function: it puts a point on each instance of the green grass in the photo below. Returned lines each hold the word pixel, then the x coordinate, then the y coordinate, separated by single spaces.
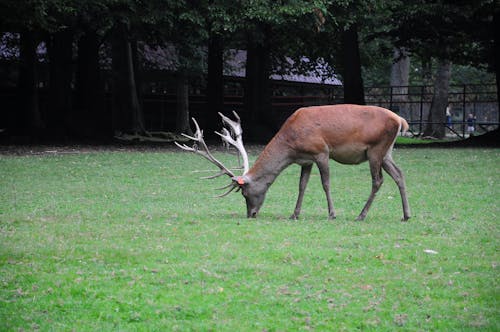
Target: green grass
pixel 133 241
pixel 420 141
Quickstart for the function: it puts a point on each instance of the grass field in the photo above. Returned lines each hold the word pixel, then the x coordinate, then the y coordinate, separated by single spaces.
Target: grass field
pixel 133 241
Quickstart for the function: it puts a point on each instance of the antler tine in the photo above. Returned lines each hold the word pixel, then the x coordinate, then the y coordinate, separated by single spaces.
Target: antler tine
pixel 232 187
pixel 237 141
pixel 201 148
pixel 213 176
pixel 237 117
pixel 234 125
pixel 231 184
pixel 205 152
pixel 198 133
pixel 185 147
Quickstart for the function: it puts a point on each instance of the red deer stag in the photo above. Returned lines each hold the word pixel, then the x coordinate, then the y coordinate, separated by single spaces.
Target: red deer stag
pixel 348 134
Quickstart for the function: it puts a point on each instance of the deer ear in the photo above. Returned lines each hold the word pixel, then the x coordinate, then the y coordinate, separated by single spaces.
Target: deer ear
pixel 240 180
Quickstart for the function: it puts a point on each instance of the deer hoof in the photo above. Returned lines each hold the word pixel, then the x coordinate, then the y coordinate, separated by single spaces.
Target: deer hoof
pixel 405 218
pixel 294 217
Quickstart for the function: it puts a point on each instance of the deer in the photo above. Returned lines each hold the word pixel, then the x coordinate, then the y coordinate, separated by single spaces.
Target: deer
pixel 348 134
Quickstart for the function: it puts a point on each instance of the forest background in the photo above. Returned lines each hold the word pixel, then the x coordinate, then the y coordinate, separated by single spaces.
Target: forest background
pixel 93 55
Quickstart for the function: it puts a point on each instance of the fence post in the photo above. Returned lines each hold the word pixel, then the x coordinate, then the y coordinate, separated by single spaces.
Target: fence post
pixel 464 117
pixel 390 98
pixel 421 109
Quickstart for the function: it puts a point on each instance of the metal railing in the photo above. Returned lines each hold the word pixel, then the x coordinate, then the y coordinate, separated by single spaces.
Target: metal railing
pixel 414 102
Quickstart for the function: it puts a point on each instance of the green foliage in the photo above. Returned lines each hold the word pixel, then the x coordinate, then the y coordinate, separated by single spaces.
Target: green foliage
pixel 461 32
pixel 135 241
pixel 378 73
pixel 471 75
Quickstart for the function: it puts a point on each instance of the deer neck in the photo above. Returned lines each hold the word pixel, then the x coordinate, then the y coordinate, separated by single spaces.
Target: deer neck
pixel 270 163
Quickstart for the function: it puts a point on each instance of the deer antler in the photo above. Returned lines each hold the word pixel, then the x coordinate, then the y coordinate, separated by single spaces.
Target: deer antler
pixel 232 137
pixel 198 139
pixel 237 141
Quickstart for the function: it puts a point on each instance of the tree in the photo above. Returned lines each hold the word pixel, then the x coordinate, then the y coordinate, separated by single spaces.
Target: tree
pixel 129 22
pixel 437 117
pixel 189 35
pixel 353 80
pixel 217 34
pixel 27 120
pixel 215 80
pixel 60 51
pixel 89 105
pixel 400 69
pixel 258 69
pixel 29 20
pixel 400 75
pixel 461 32
pixel 180 26
pixel 90 116
pixel 495 57
pixel 127 111
pixel 271 32
pixel 344 36
pixel 348 35
pixel 56 22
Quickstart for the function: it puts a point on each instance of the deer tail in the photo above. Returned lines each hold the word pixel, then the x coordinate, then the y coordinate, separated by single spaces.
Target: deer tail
pixel 404 125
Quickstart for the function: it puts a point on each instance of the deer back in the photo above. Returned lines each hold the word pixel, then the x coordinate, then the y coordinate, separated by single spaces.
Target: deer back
pixel 346 132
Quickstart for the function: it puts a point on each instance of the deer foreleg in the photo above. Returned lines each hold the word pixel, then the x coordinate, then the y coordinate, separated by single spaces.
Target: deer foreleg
pixel 394 171
pixel 304 178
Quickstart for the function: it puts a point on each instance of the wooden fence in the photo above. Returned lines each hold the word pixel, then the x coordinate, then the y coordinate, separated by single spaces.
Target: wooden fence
pixel 411 102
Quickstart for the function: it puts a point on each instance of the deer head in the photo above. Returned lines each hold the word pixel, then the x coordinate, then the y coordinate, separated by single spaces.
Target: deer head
pixel 232 136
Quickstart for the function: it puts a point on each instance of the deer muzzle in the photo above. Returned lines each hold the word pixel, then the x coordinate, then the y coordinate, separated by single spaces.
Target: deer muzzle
pixel 252 213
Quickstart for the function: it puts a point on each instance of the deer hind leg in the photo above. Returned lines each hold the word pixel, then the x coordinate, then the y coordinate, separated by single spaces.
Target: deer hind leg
pixel 377 180
pixel 396 173
pixel 304 178
pixel 324 171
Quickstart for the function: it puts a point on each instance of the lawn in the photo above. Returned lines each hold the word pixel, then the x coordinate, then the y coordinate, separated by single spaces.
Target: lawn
pixel 134 241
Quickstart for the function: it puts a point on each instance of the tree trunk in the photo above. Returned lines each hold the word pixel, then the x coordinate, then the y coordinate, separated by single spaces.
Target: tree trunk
pixel 182 114
pixel 400 74
pixel 258 86
pixel 60 50
pixel 353 81
pixel 127 113
pixel 137 71
pixel 215 83
pixel 437 113
pixel 90 117
pixel 400 69
pixel 496 56
pixel 28 118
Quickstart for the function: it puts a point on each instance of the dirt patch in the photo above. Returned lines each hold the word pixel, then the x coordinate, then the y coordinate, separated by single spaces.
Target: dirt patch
pixel 79 148
pixel 489 140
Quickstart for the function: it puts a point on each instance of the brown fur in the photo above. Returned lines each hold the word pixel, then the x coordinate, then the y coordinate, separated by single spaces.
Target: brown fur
pixel 349 134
